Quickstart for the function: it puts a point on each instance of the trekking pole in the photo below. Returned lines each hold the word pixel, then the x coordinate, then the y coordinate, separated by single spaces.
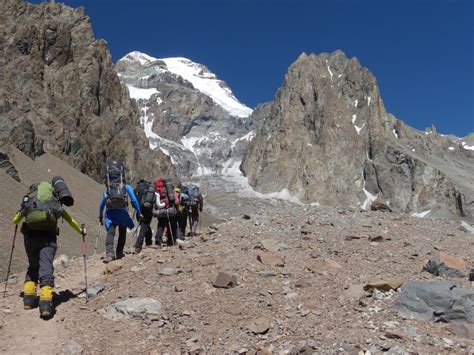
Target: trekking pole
pixel 169 225
pixel 97 239
pixel 84 256
pixel 10 261
pixel 191 225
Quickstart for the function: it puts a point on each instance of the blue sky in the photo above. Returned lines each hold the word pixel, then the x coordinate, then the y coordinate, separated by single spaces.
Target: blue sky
pixel 420 51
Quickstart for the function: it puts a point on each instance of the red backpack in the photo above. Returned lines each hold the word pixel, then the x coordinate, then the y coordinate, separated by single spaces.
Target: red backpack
pixel 161 189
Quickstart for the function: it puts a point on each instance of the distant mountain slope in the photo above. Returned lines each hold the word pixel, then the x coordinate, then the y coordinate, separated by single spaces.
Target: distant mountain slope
pixel 327 138
pixel 186 111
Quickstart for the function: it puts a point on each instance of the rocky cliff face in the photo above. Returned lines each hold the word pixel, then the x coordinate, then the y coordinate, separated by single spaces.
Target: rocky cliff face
pixel 60 93
pixel 328 139
pixel 186 111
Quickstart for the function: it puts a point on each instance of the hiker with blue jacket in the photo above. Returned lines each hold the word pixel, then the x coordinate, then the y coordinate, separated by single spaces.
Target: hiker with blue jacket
pixel 115 202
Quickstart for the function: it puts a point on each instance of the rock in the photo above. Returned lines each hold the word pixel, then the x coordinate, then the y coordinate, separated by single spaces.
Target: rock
pixel 113 266
pixel 436 300
pixel 225 280
pixel 169 271
pixel 267 274
pixel 178 289
pixel 380 205
pixel 385 285
pixel 393 335
pixel 270 245
pixel 61 261
pixel 271 258
pixel 72 348
pixel 351 237
pixel 333 263
pixel 452 261
pixel 354 292
pixel 185 244
pixel 133 307
pixel 376 238
pixel 463 330
pixel 259 326
pixel 438 268
pixel 137 269
pixel 95 289
pixel 214 226
pixel 246 216
pixel 466 227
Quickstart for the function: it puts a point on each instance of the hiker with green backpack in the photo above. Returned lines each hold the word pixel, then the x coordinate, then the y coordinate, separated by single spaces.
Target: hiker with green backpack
pixel 41 209
pixel 115 202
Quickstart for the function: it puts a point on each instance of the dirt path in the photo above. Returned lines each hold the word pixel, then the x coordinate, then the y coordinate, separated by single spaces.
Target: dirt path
pixel 24 332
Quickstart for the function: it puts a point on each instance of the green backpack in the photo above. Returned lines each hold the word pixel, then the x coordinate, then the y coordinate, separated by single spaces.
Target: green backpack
pixel 43 208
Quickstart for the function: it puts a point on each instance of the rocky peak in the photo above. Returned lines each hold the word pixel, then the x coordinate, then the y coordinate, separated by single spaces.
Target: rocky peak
pixel 327 138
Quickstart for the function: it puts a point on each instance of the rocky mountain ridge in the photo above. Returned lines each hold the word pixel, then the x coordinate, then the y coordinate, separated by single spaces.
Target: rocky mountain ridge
pixel 326 138
pixel 60 93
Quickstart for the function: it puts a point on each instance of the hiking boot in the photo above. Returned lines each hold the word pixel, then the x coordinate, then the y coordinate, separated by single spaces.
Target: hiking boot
pixel 46 301
pixel 29 295
pixel 108 258
pixel 137 250
pixel 46 309
pixel 30 302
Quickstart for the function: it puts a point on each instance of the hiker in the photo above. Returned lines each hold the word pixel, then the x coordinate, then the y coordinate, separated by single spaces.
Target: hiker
pixel 182 216
pixel 146 195
pixel 195 205
pixel 41 208
pixel 115 201
pixel 165 211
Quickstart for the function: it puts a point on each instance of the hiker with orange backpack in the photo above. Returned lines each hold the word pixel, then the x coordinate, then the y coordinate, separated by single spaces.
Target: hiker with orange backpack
pixel 115 202
pixel 166 213
pixel 41 208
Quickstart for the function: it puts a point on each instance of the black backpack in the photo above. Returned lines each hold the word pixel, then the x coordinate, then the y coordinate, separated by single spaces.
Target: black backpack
pixel 145 192
pixel 115 183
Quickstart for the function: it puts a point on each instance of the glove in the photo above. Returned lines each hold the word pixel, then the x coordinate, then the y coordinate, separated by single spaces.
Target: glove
pixel 101 220
pixel 140 217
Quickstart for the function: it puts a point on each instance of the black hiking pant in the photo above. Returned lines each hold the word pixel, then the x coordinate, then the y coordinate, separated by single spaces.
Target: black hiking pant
pixel 193 219
pixel 41 249
pixel 182 219
pixel 109 241
pixel 145 232
pixel 166 223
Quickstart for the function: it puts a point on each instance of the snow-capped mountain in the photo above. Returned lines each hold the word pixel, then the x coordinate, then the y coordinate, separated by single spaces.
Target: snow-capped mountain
pixel 187 112
pixel 200 77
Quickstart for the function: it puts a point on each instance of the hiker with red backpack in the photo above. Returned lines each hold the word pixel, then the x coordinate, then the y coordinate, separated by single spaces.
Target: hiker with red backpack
pixel 166 211
pixel 42 208
pixel 115 202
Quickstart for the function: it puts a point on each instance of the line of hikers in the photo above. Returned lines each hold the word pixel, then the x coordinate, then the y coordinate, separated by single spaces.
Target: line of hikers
pixel 43 207
pixel 171 206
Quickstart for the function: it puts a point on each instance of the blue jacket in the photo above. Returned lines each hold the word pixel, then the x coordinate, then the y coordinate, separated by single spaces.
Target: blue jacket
pixel 119 216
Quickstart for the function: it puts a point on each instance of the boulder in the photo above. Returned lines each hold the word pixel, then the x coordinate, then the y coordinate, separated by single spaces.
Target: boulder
pixel 436 300
pixel 452 261
pixel 438 268
pixel 259 326
pixel 113 266
pixel 385 285
pixel 133 307
pixel 225 280
pixel 271 258
pixel 380 205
